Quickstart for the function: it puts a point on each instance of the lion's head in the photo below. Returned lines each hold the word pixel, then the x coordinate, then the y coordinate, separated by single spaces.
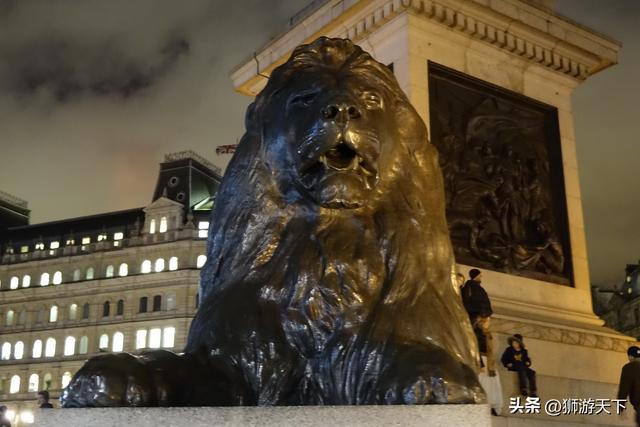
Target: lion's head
pixel 333 205
pixel 332 121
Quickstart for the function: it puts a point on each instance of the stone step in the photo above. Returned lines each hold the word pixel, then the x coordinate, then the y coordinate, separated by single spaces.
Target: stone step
pixel 308 416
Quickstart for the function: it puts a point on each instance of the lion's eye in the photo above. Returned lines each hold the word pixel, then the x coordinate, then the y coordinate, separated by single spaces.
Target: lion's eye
pixel 303 99
pixel 372 100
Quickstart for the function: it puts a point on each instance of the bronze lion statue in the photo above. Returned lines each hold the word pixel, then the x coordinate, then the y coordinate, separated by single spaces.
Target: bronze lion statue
pixel 328 280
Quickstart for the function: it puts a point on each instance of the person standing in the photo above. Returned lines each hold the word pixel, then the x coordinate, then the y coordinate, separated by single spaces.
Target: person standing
pixel 475 298
pixel 43 399
pixel 476 301
pixel 630 380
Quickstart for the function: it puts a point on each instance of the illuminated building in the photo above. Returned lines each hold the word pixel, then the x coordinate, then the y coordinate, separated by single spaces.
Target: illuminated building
pixel 118 281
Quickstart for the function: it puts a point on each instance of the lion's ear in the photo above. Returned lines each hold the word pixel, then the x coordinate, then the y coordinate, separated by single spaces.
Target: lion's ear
pixel 409 124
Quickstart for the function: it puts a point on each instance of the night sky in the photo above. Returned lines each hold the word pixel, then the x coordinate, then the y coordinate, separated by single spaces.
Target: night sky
pixel 94 93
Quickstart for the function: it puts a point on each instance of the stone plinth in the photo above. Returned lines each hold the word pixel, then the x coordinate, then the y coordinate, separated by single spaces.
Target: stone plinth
pixel 428 415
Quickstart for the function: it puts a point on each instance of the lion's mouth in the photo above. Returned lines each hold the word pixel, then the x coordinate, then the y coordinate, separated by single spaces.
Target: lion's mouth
pixel 342 159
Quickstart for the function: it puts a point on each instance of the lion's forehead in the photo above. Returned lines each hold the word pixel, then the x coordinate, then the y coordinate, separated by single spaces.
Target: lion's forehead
pixel 336 82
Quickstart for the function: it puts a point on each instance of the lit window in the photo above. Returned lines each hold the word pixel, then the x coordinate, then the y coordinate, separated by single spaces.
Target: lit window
pixel 53 314
pixel 163 224
pixel 44 279
pixel 66 379
pixel 159 265
pixel 203 229
pixel 50 347
pixel 13 284
pixel 89 275
pixel 123 270
pixel 34 382
pixel 18 350
pixel 6 351
pixel 102 237
pixel 54 245
pixel 39 246
pixel 118 236
pixel 69 346
pixel 84 345
pixel 36 352
pixel 173 263
pixel 141 338
pixel 152 226
pixel 168 337
pixel 86 240
pixel 57 277
pixel 202 259
pixel 24 249
pixel 109 271
pixel 118 342
pixel 26 417
pixel 171 302
pixel 15 384
pixel 70 242
pixel 26 281
pixel 104 341
pixel 73 310
pixel 8 319
pixel 146 266
pixel 76 274
pixel 155 336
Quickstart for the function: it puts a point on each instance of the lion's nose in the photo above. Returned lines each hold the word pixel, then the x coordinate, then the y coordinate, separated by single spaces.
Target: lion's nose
pixel 340 112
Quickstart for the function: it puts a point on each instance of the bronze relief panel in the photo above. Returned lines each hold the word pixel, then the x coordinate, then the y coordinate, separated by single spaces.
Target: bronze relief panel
pixel 502 165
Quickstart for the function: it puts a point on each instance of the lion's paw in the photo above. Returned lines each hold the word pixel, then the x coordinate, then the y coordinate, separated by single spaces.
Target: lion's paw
pixel 110 380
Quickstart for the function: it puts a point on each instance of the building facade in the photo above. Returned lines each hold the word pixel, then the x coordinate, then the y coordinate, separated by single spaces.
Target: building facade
pixel 119 281
pixel 619 306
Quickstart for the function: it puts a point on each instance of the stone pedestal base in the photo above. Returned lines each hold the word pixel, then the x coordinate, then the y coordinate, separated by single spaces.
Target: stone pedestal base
pixel 321 416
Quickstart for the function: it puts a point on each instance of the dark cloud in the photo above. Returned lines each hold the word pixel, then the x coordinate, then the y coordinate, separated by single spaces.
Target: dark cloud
pixel 69 68
pixel 93 93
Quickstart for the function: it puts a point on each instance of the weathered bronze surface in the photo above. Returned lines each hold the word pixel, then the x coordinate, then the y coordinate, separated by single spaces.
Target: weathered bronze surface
pixel 328 278
pixel 502 165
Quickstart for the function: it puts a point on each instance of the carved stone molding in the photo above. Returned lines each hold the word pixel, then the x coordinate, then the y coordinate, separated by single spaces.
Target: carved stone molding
pixel 516 27
pixel 553 54
pixel 560 335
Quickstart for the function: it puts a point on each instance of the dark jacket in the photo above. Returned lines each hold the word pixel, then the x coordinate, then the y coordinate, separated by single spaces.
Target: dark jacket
pixel 475 299
pixel 519 359
pixel 630 383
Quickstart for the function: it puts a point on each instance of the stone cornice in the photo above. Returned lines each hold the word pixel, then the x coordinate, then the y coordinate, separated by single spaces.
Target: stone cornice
pixel 600 339
pixel 513 26
pixel 521 29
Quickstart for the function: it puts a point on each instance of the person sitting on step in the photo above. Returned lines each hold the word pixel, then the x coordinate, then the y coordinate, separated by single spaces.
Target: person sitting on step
pixel 516 358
